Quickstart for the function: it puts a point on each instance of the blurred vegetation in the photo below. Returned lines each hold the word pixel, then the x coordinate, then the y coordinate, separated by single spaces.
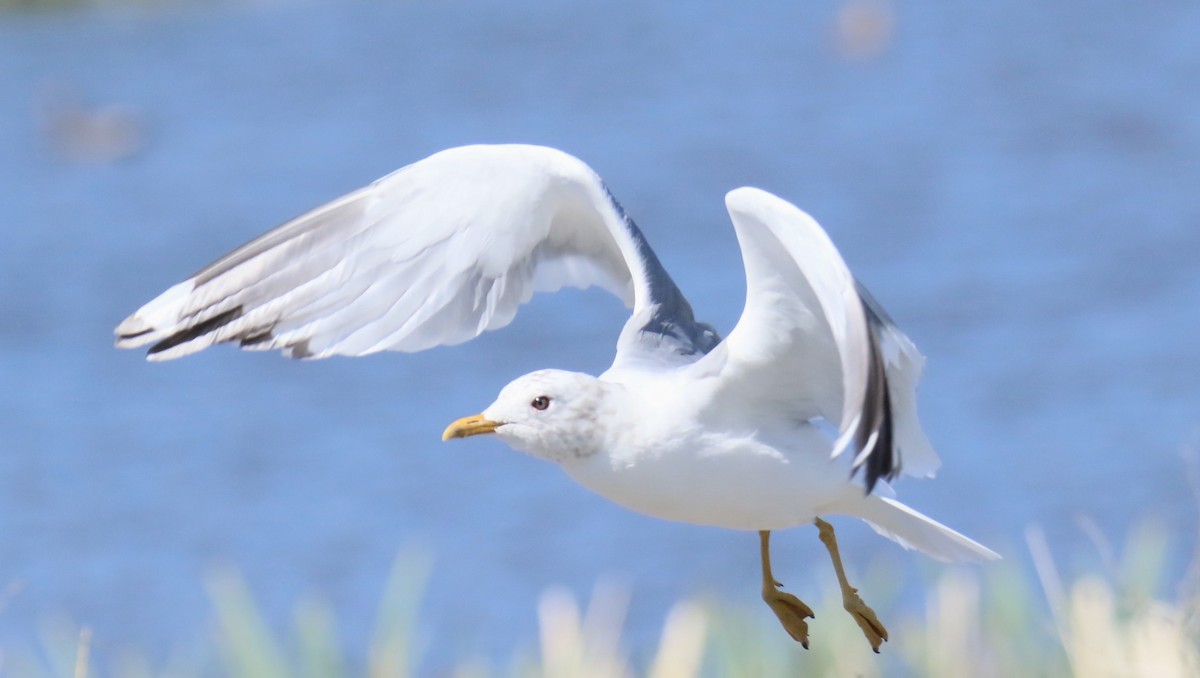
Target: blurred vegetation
pixel 988 621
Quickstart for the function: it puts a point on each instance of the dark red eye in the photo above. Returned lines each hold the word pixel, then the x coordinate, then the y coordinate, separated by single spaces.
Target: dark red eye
pixel 540 402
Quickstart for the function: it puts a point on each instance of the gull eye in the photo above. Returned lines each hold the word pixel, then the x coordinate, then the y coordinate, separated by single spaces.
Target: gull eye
pixel 540 402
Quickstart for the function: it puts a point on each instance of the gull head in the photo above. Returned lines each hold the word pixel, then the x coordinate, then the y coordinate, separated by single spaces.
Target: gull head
pixel 552 414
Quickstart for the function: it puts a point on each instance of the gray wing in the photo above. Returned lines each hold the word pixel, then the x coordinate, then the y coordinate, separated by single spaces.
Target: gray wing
pixel 433 254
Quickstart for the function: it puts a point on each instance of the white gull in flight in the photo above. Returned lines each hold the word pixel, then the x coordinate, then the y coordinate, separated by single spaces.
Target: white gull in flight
pixel 683 426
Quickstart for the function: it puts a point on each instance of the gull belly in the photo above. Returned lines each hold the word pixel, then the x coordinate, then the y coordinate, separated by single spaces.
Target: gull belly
pixel 743 481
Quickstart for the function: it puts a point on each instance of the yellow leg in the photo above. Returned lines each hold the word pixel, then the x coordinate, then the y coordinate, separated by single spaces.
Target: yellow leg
pixel 788 608
pixel 865 617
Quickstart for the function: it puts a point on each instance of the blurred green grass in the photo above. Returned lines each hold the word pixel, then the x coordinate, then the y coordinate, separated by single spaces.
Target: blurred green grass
pixel 991 621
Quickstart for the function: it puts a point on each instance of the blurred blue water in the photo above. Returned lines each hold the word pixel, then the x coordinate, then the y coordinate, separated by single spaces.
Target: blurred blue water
pixel 1016 181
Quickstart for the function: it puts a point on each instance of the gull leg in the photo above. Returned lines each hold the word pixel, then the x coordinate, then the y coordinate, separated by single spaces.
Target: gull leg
pixel 865 617
pixel 788 608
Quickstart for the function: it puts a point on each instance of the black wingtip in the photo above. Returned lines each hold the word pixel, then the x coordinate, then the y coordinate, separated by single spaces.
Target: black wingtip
pixel 134 335
pixel 257 337
pixel 883 461
pixel 198 330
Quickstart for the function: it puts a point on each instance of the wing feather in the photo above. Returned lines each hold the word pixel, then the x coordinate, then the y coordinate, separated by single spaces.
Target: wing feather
pixel 433 254
pixel 810 345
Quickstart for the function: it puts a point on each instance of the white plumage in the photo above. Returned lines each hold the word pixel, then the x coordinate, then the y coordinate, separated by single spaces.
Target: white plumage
pixel 683 425
pixel 432 254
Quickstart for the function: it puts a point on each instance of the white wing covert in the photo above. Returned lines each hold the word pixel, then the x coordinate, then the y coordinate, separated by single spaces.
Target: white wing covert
pixel 433 254
pixel 807 344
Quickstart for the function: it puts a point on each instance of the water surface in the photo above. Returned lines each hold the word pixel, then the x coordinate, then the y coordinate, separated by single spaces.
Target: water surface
pixel 1016 182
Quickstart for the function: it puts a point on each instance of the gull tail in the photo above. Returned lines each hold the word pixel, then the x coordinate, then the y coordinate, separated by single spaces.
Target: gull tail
pixel 913 530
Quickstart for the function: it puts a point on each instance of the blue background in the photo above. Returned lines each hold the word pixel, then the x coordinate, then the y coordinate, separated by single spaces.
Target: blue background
pixel 1016 182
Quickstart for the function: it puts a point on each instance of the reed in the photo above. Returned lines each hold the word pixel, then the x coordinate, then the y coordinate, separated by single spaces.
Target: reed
pixel 980 622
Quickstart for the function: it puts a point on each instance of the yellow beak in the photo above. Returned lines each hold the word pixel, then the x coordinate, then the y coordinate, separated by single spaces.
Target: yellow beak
pixel 469 426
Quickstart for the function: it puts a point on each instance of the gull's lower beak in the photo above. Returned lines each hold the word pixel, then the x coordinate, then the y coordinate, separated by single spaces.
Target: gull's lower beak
pixel 469 426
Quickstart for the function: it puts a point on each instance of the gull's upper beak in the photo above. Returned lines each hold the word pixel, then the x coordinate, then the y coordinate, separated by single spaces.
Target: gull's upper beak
pixel 469 426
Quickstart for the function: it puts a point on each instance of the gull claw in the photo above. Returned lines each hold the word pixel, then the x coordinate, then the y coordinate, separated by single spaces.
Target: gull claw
pixel 791 612
pixel 865 617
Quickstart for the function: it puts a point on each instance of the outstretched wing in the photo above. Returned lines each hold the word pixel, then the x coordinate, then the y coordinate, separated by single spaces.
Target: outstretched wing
pixel 811 343
pixel 433 254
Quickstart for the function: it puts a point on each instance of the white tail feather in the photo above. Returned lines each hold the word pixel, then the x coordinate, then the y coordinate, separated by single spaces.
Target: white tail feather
pixel 913 530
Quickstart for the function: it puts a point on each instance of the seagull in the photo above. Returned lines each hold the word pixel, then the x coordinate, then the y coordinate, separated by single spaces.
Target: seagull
pixel 806 409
